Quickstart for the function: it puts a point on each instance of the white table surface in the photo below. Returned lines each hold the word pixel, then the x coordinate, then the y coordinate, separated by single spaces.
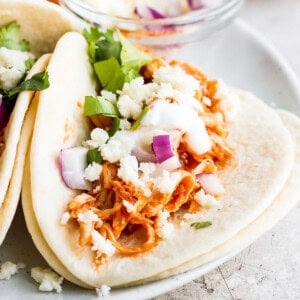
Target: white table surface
pixel 270 267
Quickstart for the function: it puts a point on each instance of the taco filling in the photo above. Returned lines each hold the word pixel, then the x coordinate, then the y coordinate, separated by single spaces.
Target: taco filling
pixel 158 139
pixel 15 61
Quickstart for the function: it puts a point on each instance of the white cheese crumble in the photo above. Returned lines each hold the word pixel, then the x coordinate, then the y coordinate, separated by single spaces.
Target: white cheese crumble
pixel 49 280
pixel 128 170
pixel 8 269
pixel 178 78
pixel 230 100
pixel 124 124
pixel 92 171
pixel 129 108
pixel 164 227
pixel 115 149
pixel 65 218
pixel 12 67
pixel 129 206
pixel 207 201
pixel 98 138
pixel 88 217
pixel 167 182
pixel 103 290
pixel 109 96
pixel 102 245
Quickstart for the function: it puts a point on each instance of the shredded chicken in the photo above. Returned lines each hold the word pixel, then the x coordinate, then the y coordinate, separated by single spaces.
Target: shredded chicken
pixel 106 199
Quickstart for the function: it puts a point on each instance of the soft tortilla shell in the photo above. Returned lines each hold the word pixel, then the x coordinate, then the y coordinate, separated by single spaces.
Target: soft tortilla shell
pixel 42 22
pixel 264 157
pixel 12 133
pixel 279 208
pixel 30 218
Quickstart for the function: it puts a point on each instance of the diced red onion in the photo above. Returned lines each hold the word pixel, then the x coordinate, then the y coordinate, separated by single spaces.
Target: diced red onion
pixel 148 13
pixel 3 114
pixel 196 4
pixel 143 156
pixel 162 147
pixel 210 183
pixel 73 163
pixel 170 164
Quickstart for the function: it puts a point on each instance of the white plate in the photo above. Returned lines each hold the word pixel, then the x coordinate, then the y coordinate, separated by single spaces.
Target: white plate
pixel 245 60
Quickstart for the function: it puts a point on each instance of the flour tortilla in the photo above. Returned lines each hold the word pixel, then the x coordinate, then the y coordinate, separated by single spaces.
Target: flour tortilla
pixel 264 158
pixel 279 208
pixel 11 198
pixel 42 23
pixel 30 219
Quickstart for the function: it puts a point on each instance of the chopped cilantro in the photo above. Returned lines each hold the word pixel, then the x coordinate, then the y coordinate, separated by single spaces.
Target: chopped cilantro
pixel 99 105
pixel 94 155
pixel 115 125
pixel 115 60
pixel 138 121
pixel 10 37
pixel 199 225
pixel 37 82
pixel 110 74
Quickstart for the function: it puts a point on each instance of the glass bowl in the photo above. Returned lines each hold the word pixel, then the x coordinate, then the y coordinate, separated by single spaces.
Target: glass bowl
pixel 170 31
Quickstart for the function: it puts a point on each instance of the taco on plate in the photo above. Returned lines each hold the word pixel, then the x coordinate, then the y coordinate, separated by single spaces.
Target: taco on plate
pixel 24 38
pixel 138 165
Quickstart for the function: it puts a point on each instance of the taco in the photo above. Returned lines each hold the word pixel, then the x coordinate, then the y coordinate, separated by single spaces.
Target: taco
pixel 23 40
pixel 161 168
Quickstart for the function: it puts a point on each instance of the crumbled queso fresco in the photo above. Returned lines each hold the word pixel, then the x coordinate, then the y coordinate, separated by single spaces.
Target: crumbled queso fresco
pixel 12 67
pixel 49 281
pixel 8 269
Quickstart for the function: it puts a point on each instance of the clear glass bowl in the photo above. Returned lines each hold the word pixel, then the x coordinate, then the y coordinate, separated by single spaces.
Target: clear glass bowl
pixel 171 31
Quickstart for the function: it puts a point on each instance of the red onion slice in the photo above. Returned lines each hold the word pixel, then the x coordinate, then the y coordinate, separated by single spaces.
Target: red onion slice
pixel 73 163
pixel 3 114
pixel 210 183
pixel 170 164
pixel 148 13
pixel 196 4
pixel 143 156
pixel 162 147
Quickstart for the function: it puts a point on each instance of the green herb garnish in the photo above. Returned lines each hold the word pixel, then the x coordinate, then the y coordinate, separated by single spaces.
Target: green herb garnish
pixel 110 74
pixel 115 125
pixel 37 82
pixel 138 121
pixel 199 225
pixel 10 37
pixel 99 106
pixel 94 155
pixel 114 58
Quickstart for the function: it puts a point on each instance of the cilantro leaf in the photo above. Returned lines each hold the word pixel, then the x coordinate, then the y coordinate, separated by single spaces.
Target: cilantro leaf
pixel 37 82
pixel 132 59
pixel 110 74
pixel 200 225
pixel 115 61
pixel 94 155
pixel 115 125
pixel 99 105
pixel 10 37
pixel 138 121
pixel 102 45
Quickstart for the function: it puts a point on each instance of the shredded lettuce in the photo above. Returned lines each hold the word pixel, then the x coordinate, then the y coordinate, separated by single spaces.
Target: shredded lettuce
pixel 10 37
